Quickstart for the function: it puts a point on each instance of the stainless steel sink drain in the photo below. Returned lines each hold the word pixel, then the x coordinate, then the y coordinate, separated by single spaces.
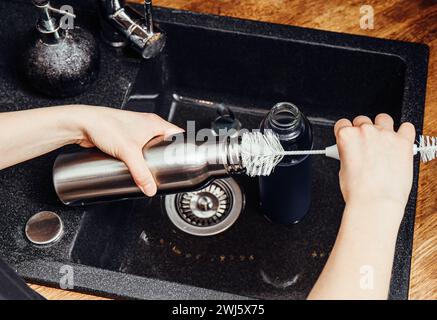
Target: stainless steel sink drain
pixel 207 211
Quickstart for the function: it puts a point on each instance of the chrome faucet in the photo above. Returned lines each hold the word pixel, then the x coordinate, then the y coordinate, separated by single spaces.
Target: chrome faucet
pixel 135 28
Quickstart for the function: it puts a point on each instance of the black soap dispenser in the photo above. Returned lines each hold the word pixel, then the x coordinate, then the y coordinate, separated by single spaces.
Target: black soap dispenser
pixel 59 62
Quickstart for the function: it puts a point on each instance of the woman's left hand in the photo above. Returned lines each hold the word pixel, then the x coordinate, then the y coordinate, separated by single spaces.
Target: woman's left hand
pixel 122 134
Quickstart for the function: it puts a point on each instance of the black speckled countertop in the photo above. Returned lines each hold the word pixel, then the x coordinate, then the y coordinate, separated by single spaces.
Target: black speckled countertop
pixel 27 188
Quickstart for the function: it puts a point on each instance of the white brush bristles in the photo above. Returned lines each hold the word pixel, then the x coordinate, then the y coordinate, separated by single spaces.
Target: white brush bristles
pixel 427 148
pixel 260 153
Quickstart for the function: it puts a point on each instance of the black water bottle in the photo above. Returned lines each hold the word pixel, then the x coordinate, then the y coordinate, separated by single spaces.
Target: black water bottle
pixel 286 194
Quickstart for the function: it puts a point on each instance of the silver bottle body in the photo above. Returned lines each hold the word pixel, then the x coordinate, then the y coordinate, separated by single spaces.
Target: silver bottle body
pixel 90 176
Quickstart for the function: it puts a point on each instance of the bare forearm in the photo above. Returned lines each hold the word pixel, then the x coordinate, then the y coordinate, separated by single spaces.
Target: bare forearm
pixel 31 133
pixel 360 263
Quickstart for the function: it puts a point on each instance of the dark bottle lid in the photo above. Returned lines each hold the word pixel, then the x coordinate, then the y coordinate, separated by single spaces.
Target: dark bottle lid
pixel 226 123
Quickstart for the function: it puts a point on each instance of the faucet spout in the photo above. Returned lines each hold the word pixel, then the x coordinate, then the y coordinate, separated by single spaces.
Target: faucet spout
pixel 136 28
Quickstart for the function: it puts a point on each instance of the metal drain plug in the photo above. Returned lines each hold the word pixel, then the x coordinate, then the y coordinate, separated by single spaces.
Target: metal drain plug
pixel 207 211
pixel 44 227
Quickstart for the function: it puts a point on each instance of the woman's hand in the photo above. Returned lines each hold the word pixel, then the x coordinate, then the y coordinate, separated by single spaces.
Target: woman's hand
pixel 122 134
pixel 375 178
pixel 376 161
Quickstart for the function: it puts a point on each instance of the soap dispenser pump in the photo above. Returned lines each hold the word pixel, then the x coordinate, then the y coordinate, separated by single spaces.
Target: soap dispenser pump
pixel 59 62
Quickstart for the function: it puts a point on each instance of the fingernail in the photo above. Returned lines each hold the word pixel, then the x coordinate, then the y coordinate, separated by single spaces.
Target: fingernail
pixel 149 190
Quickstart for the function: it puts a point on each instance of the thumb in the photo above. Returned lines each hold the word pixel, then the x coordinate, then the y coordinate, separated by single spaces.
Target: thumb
pixel 167 129
pixel 172 131
pixel 141 174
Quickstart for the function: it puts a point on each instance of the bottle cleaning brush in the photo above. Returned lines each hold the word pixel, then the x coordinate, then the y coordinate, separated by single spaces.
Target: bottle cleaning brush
pixel 90 176
pixel 262 152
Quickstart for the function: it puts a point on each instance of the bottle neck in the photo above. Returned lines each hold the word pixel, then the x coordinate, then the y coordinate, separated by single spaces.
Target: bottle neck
pixel 293 130
pixel 232 154
pixel 286 120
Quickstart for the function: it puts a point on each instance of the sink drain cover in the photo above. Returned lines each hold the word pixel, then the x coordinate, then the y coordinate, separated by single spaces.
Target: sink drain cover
pixel 208 211
pixel 44 227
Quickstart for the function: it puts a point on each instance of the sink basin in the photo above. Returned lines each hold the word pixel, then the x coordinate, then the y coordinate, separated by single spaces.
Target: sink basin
pixel 248 67
pixel 131 248
pixel 253 258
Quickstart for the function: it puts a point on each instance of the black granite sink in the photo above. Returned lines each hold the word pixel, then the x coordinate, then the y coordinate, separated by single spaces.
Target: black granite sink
pixel 132 249
pixel 249 66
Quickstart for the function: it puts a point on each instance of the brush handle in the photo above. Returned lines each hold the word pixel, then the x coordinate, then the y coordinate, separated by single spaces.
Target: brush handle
pixel 332 151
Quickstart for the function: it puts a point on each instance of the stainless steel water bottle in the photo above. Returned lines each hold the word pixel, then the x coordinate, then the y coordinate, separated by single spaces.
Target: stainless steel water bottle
pixel 286 194
pixel 90 176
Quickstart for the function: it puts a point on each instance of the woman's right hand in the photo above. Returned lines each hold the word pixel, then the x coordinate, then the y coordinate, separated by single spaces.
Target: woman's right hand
pixel 376 161
pixel 376 175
